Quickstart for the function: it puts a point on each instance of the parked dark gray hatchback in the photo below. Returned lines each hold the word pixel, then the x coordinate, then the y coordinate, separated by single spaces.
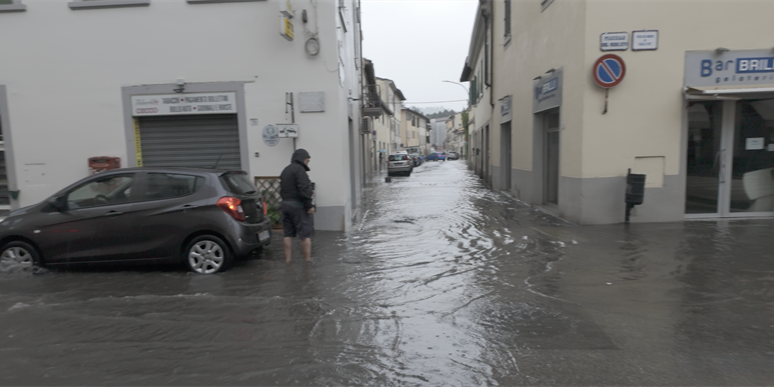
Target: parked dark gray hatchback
pixel 204 218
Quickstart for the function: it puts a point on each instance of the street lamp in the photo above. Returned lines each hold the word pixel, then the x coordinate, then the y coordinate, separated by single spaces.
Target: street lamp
pixel 462 86
pixel 467 93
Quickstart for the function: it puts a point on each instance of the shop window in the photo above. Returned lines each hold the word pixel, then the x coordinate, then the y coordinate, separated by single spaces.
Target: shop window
pixel 92 4
pixel 12 6
pixel 544 4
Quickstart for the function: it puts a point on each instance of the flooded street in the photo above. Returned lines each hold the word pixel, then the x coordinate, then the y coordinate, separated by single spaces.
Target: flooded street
pixel 443 283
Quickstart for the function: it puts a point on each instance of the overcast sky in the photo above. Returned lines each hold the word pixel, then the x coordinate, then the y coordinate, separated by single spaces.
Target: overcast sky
pixel 418 44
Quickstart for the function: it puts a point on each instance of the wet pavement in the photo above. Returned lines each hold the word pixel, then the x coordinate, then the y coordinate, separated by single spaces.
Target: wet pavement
pixel 444 283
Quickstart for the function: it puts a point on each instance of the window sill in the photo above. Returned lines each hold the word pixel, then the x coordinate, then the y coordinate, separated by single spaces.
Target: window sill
pixel 77 5
pixel 13 8
pixel 219 1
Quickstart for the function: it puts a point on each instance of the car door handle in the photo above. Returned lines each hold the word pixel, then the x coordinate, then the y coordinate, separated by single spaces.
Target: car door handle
pixel 113 214
pixel 187 207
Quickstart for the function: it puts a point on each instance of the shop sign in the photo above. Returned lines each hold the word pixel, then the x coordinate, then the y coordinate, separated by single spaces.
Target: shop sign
pixel 644 40
pixel 174 104
pixel 548 92
pixel 614 41
pixel 505 109
pixel 731 68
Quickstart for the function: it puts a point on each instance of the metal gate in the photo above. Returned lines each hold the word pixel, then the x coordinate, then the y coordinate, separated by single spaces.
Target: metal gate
pixel 190 141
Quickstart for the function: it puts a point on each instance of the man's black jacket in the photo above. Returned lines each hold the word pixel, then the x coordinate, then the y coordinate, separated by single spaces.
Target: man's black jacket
pixel 294 182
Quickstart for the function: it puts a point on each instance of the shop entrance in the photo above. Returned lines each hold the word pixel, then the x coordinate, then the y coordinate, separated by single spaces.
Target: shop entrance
pixel 551 154
pixel 505 154
pixel 190 141
pixel 730 158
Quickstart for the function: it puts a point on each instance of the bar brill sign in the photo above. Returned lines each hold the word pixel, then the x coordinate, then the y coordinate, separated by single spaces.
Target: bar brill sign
pixel 175 104
pixel 734 68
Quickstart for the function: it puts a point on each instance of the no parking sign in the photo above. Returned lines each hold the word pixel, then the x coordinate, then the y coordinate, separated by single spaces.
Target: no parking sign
pixel 609 70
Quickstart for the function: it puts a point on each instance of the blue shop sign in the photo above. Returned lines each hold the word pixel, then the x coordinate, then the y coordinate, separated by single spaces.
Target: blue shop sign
pixel 548 92
pixel 732 68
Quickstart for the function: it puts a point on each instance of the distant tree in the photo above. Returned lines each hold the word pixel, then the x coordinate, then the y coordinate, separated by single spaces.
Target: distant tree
pixel 441 114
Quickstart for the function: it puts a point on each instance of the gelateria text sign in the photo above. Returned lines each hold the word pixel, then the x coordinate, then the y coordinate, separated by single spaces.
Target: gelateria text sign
pixel 730 68
pixel 175 104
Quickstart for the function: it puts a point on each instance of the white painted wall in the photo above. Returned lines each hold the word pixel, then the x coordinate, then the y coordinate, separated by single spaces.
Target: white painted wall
pixel 64 71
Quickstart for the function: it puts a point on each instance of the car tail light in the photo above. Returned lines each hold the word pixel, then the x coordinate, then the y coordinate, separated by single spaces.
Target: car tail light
pixel 265 210
pixel 233 207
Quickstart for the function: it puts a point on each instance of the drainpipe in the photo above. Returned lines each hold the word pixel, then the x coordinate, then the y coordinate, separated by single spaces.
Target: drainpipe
pixel 489 52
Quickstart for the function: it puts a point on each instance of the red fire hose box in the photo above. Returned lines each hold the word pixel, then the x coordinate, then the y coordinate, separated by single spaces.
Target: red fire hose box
pixel 103 163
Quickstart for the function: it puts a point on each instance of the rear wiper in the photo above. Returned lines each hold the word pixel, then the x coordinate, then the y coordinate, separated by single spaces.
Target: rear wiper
pixel 249 193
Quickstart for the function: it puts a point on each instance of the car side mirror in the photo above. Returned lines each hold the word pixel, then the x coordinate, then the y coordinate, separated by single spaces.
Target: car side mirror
pixel 57 202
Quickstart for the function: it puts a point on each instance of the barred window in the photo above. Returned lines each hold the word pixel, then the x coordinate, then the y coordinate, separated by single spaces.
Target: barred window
pixel 12 6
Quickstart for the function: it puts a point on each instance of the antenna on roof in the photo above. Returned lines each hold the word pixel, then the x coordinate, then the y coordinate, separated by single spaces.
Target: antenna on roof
pixel 218 162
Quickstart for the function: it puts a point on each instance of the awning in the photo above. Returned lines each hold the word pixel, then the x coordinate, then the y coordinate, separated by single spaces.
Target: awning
pixel 725 92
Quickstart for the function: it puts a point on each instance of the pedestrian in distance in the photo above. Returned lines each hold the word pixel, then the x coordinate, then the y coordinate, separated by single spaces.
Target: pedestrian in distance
pixel 297 207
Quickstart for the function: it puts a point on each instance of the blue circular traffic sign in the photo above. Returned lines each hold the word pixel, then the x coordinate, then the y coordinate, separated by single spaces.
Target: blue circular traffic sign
pixel 609 70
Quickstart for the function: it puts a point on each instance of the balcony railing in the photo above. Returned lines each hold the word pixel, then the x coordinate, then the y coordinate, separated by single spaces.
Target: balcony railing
pixel 372 103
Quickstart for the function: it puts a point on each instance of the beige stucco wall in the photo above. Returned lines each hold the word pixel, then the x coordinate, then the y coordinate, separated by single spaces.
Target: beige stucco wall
pixel 540 41
pixel 645 111
pixel 644 116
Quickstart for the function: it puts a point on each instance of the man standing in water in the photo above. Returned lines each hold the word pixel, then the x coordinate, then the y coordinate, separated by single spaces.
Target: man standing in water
pixel 297 208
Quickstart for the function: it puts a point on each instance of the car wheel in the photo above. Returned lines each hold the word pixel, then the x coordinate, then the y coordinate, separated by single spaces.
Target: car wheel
pixel 208 254
pixel 18 253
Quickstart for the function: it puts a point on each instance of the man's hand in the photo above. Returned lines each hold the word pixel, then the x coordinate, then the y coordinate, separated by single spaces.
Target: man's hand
pixel 311 211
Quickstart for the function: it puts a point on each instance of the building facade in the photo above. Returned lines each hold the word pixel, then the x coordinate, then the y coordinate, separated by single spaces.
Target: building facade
pixel 414 126
pixel 388 125
pixel 572 96
pixel 183 82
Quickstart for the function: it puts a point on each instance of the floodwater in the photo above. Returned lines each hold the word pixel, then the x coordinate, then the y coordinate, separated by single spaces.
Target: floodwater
pixel 442 283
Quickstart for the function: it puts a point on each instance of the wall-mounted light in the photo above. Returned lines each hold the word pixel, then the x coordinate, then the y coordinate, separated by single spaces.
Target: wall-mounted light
pixel 312 46
pixel 537 78
pixel 550 71
pixel 180 86
pixel 721 50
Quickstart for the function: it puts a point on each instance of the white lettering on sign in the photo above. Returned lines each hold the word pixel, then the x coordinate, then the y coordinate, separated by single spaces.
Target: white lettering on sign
pixel 614 41
pixel 644 40
pixel 171 104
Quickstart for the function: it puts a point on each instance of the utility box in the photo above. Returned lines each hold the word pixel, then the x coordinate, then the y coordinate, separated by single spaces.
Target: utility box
pixel 103 163
pixel 635 188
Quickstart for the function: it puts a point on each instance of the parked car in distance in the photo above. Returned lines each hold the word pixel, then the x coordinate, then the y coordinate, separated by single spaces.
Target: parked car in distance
pixel 399 163
pixel 204 218
pixel 435 156
pixel 452 156
pixel 417 158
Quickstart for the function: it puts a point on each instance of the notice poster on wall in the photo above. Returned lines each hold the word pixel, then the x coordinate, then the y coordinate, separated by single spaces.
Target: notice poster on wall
pixel 754 143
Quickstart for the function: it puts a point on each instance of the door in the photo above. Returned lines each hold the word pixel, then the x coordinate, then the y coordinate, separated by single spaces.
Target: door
pixel 169 210
pixel 93 226
pixel 551 154
pixel 730 158
pixel 506 155
pixel 206 140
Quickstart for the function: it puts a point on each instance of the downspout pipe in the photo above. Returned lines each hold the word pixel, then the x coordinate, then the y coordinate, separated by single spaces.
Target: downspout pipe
pixel 489 53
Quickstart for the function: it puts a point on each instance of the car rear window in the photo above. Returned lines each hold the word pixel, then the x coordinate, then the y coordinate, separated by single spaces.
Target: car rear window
pixel 171 185
pixel 238 183
pixel 398 157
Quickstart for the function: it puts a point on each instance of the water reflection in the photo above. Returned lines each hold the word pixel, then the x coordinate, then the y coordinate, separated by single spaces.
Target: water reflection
pixel 443 283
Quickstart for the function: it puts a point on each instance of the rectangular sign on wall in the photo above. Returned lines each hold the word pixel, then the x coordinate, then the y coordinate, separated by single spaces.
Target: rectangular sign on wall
pixel 730 68
pixel 614 41
pixel 548 92
pixel 644 40
pixel 175 104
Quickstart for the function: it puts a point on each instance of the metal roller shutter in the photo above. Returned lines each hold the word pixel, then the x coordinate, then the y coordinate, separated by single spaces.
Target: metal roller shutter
pixel 190 141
